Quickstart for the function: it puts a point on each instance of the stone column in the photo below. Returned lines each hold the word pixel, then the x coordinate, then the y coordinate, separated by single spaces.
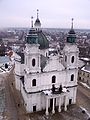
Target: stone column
pixel 47 106
pixel 53 109
pixel 65 107
pixel 59 109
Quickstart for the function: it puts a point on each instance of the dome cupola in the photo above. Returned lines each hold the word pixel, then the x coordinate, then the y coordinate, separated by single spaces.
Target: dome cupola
pixel 37 22
pixel 36 36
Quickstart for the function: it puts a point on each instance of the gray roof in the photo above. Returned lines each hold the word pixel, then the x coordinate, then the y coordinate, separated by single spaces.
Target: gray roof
pixel 4 59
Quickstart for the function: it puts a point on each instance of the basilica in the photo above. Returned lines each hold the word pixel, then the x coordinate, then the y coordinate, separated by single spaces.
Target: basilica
pixel 47 81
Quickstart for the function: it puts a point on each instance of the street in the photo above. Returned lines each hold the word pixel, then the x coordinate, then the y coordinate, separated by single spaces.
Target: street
pixel 11 110
pixel 83 97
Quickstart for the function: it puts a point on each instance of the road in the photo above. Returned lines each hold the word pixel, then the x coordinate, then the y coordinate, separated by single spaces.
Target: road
pixel 83 97
pixel 11 109
pixel 15 109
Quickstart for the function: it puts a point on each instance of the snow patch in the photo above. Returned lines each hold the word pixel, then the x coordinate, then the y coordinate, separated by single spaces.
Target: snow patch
pixel 85 70
pixel 85 85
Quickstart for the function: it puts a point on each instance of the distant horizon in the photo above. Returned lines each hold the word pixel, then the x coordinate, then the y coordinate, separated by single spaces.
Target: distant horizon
pixel 44 28
pixel 52 14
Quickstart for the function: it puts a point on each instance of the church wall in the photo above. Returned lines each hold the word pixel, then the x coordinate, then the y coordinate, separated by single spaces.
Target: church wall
pixel 44 81
pixel 17 82
pixel 68 77
pixel 72 94
pixel 36 99
pixel 19 68
pixel 19 71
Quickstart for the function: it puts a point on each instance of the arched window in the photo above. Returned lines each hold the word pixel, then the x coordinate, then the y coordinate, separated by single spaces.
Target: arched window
pixel 34 82
pixel 72 59
pixel 65 58
pixel 33 62
pixel 72 77
pixel 53 79
pixel 46 54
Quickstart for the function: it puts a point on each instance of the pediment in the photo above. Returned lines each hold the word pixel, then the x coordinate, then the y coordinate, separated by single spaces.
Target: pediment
pixel 53 65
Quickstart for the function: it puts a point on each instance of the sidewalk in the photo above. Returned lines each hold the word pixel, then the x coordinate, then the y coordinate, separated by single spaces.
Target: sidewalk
pixel 22 115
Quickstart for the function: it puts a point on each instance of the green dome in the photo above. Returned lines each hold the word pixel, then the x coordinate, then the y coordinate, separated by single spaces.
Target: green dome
pixel 35 37
pixel 42 40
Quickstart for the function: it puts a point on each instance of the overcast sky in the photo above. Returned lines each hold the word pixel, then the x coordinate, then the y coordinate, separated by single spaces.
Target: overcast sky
pixel 52 13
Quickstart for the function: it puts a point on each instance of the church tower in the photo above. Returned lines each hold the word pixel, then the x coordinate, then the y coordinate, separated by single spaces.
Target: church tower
pixel 70 50
pixel 32 53
pixel 70 60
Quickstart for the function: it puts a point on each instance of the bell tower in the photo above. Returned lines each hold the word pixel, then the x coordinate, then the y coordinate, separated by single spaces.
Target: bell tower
pixel 71 50
pixel 32 53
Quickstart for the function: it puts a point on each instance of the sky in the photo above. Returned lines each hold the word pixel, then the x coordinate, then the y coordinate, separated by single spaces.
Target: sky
pixel 52 13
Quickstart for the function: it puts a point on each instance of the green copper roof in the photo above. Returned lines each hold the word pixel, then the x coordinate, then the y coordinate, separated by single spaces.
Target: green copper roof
pixel 42 40
pixel 35 37
pixel 32 37
pixel 71 38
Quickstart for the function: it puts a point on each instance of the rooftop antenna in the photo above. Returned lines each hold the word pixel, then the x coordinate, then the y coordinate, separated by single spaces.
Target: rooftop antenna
pixel 32 22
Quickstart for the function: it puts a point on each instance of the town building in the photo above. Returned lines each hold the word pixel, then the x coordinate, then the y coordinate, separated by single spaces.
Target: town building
pixel 47 81
pixel 84 72
pixel 2 48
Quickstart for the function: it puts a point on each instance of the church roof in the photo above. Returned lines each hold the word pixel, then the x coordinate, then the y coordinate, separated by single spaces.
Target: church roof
pixel 71 31
pixel 37 22
pixel 35 37
pixel 42 40
pixel 71 38
pixel 22 57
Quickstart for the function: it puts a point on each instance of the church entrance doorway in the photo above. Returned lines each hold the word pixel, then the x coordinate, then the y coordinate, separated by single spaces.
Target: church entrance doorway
pixel 70 101
pixel 51 104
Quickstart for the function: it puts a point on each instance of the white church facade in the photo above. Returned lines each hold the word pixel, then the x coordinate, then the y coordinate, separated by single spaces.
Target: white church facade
pixel 47 82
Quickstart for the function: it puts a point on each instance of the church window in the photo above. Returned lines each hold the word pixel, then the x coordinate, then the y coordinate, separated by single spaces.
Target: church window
pixel 70 101
pixel 72 77
pixel 53 79
pixel 65 58
pixel 87 75
pixel 34 82
pixel 72 59
pixel 83 73
pixel 46 54
pixel 34 108
pixel 79 78
pixel 33 62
